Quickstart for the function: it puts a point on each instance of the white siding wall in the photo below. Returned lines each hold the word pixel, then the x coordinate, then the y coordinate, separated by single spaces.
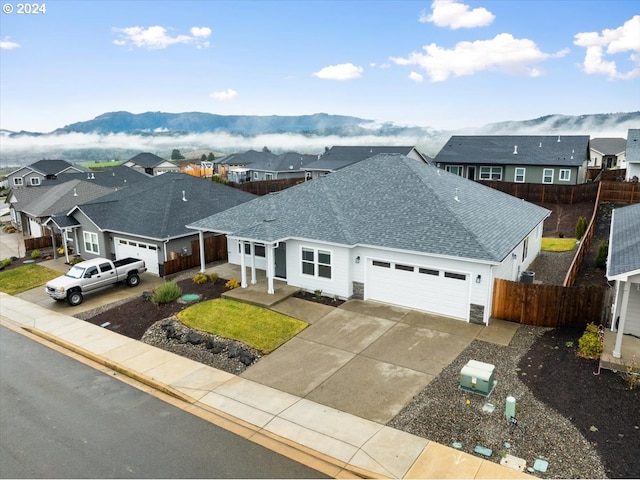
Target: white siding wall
pixel 341 265
pixel 234 256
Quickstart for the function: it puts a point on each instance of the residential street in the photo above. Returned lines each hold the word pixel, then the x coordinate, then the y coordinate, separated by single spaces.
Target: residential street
pixel 60 418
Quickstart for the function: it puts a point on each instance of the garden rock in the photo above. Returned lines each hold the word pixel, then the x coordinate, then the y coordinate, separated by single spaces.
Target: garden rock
pixel 194 338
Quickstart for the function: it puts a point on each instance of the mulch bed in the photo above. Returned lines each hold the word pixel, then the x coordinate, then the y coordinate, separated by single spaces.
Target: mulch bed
pixel 601 406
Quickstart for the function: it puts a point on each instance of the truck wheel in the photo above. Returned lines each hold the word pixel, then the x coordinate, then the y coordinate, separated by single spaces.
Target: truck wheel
pixel 74 298
pixel 133 280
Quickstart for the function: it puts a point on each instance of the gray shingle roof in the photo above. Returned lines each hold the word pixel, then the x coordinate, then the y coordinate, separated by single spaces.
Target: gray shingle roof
pixel 544 150
pixel 632 153
pixel 147 160
pixel 63 197
pixel 624 247
pixel 341 156
pixel 608 146
pixel 154 208
pixel 389 201
pixel 114 177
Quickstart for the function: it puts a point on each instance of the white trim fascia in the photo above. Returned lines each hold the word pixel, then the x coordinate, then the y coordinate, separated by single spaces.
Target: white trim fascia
pixel 623 277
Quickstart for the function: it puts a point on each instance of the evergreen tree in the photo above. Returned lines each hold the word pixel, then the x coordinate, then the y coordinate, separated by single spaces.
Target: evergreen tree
pixel 176 155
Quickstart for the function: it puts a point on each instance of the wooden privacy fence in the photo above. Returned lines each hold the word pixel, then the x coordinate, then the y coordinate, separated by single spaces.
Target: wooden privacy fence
pixel 550 305
pixel 267 186
pixel 620 192
pixel 539 193
pixel 215 248
pixel 41 242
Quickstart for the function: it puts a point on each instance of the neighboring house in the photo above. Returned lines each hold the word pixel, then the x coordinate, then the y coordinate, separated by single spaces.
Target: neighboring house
pixel 114 177
pixel 35 174
pixel 551 159
pixel 389 229
pixel 339 157
pixel 34 213
pixel 623 267
pixel 151 164
pixel 633 155
pixel 148 221
pixel 253 166
pixel 607 153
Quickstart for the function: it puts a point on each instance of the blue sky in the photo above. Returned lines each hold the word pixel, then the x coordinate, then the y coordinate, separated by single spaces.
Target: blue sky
pixel 444 64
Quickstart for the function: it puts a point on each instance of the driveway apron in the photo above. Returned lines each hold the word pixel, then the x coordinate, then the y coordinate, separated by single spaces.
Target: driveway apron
pixel 364 358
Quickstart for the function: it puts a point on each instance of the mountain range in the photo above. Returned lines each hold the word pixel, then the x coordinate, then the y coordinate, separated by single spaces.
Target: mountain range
pixel 121 135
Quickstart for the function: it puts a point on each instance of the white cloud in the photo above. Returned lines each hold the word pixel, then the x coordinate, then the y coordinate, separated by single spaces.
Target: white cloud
pixel 7 44
pixel 343 71
pixel 157 37
pixel 224 95
pixel 449 13
pixel 416 77
pixel 503 53
pixel 620 40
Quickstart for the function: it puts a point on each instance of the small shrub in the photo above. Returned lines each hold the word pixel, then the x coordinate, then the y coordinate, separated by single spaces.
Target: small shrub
pixel 6 262
pixel 590 343
pixel 318 294
pixel 603 251
pixel 581 227
pixel 61 251
pixel 36 254
pixel 213 277
pixel 200 278
pixel 629 376
pixel 75 260
pixel 166 292
pixel 231 284
pixel 9 229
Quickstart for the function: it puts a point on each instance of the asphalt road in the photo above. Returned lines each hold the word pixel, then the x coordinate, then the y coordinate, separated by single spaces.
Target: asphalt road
pixel 61 418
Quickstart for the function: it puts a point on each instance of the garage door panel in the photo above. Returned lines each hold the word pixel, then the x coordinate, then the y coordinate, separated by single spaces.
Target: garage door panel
pixel 429 289
pixel 146 252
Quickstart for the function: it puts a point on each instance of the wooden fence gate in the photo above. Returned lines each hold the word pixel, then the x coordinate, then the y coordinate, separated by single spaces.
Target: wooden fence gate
pixel 551 305
pixel 215 248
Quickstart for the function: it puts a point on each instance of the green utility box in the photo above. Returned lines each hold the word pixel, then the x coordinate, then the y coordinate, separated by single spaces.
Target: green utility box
pixel 477 377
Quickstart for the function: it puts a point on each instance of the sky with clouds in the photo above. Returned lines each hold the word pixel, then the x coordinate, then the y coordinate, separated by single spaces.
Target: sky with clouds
pixel 445 64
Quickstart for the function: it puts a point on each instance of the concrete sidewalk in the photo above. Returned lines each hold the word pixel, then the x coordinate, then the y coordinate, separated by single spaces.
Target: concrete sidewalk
pixel 337 443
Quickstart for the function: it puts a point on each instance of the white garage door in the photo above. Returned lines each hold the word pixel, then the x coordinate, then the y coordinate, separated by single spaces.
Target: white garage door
pixel 35 228
pixel 143 251
pixel 432 290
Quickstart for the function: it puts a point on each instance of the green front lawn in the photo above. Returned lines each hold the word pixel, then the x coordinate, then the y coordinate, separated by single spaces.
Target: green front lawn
pixel 256 327
pixel 25 278
pixel 550 244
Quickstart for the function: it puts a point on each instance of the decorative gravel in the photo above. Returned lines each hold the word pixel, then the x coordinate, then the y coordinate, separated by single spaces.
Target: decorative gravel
pixel 445 414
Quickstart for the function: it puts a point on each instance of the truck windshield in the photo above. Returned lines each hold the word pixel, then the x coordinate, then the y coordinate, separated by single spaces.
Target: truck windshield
pixel 75 272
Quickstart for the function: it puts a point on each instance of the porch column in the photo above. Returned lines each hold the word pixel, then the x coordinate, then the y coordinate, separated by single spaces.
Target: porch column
pixel 617 350
pixel 65 243
pixel 252 250
pixel 243 268
pixel 201 246
pixel 270 248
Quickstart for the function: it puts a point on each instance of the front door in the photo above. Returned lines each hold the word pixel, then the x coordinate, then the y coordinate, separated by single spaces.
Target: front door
pixel 471 172
pixel 281 260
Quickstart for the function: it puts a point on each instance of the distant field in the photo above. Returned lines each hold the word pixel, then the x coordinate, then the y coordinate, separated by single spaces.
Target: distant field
pixel 101 165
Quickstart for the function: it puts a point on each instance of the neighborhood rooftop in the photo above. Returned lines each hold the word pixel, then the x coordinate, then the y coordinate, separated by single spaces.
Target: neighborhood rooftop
pixel 624 255
pixel 388 201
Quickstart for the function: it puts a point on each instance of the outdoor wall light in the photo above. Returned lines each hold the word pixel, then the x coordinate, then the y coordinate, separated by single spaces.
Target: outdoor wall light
pixel 478 278
pixel 358 259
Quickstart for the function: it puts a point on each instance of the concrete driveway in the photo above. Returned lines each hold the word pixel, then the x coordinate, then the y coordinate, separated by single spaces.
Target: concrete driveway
pixel 365 358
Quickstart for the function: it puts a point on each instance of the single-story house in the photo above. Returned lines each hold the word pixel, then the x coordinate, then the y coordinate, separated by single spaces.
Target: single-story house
pixel 151 164
pixel 632 153
pixel 340 156
pixel 607 153
pixel 35 174
pixel 148 220
pixel 623 267
pixel 545 159
pixel 254 166
pixel 391 229
pixel 113 177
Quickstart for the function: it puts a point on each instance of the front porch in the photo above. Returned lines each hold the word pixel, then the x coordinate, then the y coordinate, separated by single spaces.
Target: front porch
pixel 254 293
pixel 630 350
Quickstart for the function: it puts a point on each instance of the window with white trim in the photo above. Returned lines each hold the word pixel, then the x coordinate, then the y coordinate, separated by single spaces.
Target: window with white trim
pixel 520 175
pixel 91 242
pixel 564 175
pixel 18 182
pixel 268 176
pixel 490 173
pixel 525 249
pixel 35 181
pixel 547 175
pixel 258 249
pixel 316 262
pixel 255 175
pixel 455 169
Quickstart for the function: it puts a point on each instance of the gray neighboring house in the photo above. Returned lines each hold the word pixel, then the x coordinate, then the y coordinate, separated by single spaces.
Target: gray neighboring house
pixel 632 154
pixel 36 211
pixel 389 229
pixel 623 267
pixel 254 166
pixel 607 153
pixel 114 177
pixel 151 164
pixel 341 156
pixel 148 221
pixel 541 159
pixel 35 174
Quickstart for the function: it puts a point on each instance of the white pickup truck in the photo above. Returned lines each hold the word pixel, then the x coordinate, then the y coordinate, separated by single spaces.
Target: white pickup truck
pixel 93 274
